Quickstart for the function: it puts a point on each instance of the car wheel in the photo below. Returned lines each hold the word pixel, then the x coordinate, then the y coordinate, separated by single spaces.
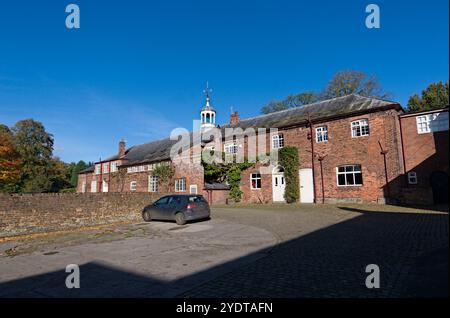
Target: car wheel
pixel 146 216
pixel 180 218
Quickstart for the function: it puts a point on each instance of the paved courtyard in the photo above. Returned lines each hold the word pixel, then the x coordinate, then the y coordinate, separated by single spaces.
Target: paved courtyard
pixel 252 251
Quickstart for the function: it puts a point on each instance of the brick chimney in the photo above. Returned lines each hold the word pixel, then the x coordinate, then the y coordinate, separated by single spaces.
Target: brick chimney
pixel 234 118
pixel 121 148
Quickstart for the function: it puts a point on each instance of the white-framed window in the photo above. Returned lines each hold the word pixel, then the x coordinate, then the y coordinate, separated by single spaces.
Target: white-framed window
pixel 412 177
pixel 255 180
pixel 132 169
pixel 98 169
pixel 231 148
pixel 193 189
pixel 349 175
pixel 93 186
pixel 83 187
pixel 180 185
pixel 322 134
pixel 114 166
pixel 360 128
pixel 430 123
pixel 277 141
pixel 106 167
pixel 141 168
pixel 152 183
pixel 133 186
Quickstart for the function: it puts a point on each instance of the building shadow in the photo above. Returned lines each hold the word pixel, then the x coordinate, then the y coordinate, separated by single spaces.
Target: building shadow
pixel 431 187
pixel 329 262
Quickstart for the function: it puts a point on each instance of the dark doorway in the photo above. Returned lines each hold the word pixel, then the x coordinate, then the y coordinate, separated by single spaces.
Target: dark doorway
pixel 439 184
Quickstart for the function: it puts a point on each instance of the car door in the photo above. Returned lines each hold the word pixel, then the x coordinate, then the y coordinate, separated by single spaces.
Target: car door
pixel 170 208
pixel 158 208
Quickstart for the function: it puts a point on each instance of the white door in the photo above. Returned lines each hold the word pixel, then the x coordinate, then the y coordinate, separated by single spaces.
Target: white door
pixel 104 186
pixel 278 186
pixel 306 186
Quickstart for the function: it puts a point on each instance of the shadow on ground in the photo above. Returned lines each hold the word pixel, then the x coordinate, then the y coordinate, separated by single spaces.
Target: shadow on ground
pixel 411 250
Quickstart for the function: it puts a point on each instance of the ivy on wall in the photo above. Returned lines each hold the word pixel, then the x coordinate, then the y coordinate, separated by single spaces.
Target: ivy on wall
pixel 289 160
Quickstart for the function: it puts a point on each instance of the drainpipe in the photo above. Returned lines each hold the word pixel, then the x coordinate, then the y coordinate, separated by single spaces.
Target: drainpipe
pixel 312 157
pixel 403 147
pixel 321 158
pixel 384 152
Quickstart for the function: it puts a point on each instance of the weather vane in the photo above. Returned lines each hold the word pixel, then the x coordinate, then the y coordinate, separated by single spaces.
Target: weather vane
pixel 207 90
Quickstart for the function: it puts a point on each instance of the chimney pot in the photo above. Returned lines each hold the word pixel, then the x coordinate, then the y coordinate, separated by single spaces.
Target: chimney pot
pixel 121 148
pixel 234 118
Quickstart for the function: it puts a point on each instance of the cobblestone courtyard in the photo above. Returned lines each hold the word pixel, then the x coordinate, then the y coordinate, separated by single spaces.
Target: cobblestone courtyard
pixel 252 251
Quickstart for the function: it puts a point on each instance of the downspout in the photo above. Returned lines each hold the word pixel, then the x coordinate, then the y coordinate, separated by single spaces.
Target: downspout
pixel 321 158
pixel 312 158
pixel 403 147
pixel 384 152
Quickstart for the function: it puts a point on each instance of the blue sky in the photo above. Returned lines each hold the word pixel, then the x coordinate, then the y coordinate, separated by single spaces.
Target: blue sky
pixel 136 69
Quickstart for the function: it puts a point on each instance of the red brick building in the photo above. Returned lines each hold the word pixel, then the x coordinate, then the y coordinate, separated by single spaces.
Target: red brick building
pixel 352 149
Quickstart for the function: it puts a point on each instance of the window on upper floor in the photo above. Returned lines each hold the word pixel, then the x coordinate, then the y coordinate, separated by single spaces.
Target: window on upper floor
pixel 106 167
pixel 133 186
pixel 322 134
pixel 349 175
pixel 430 123
pixel 277 141
pixel 360 128
pixel 231 148
pixel 412 177
pixel 98 169
pixel 114 166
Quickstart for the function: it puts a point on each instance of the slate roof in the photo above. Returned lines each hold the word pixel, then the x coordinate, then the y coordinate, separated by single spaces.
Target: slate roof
pixel 159 150
pixel 339 106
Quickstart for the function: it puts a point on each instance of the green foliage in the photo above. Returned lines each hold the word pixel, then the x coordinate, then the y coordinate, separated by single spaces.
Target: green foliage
pixel 343 83
pixel 39 170
pixel 353 82
pixel 289 160
pixel 234 178
pixel 227 172
pixel 435 96
pixel 290 102
pixel 75 168
pixel 164 172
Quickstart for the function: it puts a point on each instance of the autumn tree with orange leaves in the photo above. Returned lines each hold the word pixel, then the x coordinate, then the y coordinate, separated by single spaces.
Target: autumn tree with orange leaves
pixel 10 162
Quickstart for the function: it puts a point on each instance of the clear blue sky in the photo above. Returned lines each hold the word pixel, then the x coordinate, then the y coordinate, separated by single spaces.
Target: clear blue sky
pixel 136 69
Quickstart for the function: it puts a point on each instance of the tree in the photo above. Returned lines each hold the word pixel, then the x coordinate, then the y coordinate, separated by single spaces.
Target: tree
pixel 291 101
pixel 10 162
pixel 353 82
pixel 35 147
pixel 75 169
pixel 164 172
pixel 435 96
pixel 343 83
pixel 59 175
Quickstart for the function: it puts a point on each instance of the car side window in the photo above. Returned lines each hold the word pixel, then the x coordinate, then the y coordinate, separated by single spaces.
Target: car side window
pixel 162 201
pixel 196 199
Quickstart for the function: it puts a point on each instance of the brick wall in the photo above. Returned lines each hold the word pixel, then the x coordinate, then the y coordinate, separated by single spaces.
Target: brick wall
pixel 31 213
pixel 424 154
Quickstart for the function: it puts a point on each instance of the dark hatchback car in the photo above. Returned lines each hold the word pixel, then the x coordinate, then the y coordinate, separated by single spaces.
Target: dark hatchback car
pixel 179 208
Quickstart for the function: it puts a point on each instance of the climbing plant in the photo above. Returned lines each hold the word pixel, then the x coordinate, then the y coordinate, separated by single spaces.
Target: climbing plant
pixel 288 159
pixel 226 172
pixel 164 172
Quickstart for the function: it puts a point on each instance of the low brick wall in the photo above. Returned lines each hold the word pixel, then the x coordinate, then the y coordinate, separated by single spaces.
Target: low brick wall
pixel 33 213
